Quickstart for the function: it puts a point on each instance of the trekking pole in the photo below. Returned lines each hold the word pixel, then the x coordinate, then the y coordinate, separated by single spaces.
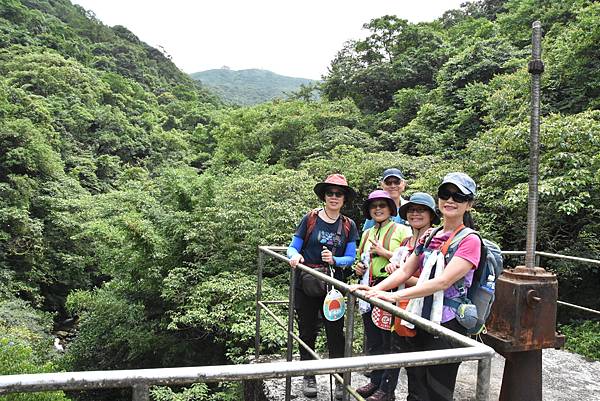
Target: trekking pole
pixel 535 67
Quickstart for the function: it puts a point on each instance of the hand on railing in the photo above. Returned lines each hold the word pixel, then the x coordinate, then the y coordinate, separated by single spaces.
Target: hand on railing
pixel 370 292
pixel 294 260
pixel 362 287
pixel 384 295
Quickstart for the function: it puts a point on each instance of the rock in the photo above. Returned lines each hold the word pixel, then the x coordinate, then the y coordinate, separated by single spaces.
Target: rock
pixel 566 377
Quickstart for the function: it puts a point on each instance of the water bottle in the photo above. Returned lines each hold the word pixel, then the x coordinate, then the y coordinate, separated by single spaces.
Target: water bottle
pixel 483 299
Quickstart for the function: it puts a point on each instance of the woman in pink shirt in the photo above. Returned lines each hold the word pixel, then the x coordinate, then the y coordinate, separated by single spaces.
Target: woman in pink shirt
pixel 456 194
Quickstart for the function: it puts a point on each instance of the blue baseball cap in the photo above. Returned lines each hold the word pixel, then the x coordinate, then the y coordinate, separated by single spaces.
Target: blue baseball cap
pixel 420 198
pixel 465 184
pixel 392 172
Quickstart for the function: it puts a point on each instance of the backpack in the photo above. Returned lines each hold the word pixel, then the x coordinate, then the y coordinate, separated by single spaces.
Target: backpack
pixel 481 294
pixel 312 221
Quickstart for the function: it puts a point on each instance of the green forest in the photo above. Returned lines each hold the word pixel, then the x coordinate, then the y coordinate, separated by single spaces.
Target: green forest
pixel 250 87
pixel 132 199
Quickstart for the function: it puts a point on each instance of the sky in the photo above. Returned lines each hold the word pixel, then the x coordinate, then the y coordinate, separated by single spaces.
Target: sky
pixel 297 38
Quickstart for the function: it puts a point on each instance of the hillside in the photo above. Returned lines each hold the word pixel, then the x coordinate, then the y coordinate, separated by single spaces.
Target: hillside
pixel 132 201
pixel 248 87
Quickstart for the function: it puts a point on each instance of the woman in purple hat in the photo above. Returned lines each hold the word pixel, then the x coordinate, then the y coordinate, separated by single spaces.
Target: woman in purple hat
pixel 377 245
pixel 438 279
pixel 325 240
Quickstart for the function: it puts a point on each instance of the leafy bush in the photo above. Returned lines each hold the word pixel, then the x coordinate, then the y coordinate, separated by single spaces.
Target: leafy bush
pixel 583 338
pixel 18 357
pixel 26 347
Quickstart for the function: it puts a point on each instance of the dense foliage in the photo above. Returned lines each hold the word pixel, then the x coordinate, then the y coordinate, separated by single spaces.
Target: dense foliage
pixel 133 200
pixel 250 87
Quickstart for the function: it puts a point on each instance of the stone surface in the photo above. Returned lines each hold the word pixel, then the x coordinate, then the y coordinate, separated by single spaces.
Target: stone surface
pixel 566 377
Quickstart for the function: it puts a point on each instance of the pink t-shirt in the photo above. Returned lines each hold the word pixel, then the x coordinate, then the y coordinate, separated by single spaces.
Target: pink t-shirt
pixel 469 249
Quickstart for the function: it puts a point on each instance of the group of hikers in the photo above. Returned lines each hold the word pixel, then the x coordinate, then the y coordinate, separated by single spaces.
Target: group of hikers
pixel 397 260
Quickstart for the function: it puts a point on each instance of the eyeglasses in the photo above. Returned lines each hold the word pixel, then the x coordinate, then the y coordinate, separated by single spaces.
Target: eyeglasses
pixel 337 194
pixel 392 182
pixel 419 210
pixel 458 197
pixel 378 205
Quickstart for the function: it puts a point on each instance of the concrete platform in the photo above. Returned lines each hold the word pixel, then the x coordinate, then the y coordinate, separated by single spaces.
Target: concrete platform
pixel 566 377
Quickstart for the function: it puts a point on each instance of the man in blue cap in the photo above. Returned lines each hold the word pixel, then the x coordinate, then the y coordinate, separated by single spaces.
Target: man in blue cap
pixel 392 182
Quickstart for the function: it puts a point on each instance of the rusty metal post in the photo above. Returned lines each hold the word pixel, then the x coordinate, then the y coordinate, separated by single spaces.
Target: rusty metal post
pixel 522 378
pixel 290 338
pixel 536 67
pixel 523 320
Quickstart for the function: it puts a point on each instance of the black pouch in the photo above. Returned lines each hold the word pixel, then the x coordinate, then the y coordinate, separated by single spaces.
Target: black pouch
pixel 313 286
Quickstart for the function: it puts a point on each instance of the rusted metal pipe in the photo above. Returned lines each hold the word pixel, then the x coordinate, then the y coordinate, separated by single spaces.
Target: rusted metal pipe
pixel 483 376
pixel 259 278
pixel 583 308
pixel 522 379
pixel 523 321
pixel 349 338
pixel 484 372
pixel 290 342
pixel 221 373
pixel 294 335
pixel 536 67
pixel 420 322
pixel 553 255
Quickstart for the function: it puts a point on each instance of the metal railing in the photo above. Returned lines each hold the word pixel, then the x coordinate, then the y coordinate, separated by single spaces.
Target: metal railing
pixel 538 254
pixel 470 349
pixel 140 380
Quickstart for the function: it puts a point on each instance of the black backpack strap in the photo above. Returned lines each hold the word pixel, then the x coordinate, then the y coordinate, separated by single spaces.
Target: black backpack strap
pixel 421 248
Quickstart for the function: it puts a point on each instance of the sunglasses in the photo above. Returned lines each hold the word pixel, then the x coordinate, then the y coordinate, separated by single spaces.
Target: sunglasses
pixel 378 205
pixel 458 197
pixel 419 210
pixel 391 182
pixel 336 194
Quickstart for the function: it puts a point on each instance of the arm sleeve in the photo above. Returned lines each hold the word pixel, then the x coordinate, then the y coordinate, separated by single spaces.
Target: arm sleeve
pixel 350 251
pixel 295 246
pixel 349 255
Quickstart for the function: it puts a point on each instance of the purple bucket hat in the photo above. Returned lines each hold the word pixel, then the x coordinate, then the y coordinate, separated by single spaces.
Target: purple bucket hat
pixel 376 195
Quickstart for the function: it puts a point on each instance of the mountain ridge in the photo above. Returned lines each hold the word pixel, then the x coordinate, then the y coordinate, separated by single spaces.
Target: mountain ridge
pixel 249 86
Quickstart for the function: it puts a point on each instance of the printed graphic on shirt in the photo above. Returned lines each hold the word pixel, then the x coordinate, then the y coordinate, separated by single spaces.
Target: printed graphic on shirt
pixel 329 239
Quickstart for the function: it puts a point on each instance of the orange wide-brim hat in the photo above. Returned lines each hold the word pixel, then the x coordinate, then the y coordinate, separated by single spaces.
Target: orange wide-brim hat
pixel 336 180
